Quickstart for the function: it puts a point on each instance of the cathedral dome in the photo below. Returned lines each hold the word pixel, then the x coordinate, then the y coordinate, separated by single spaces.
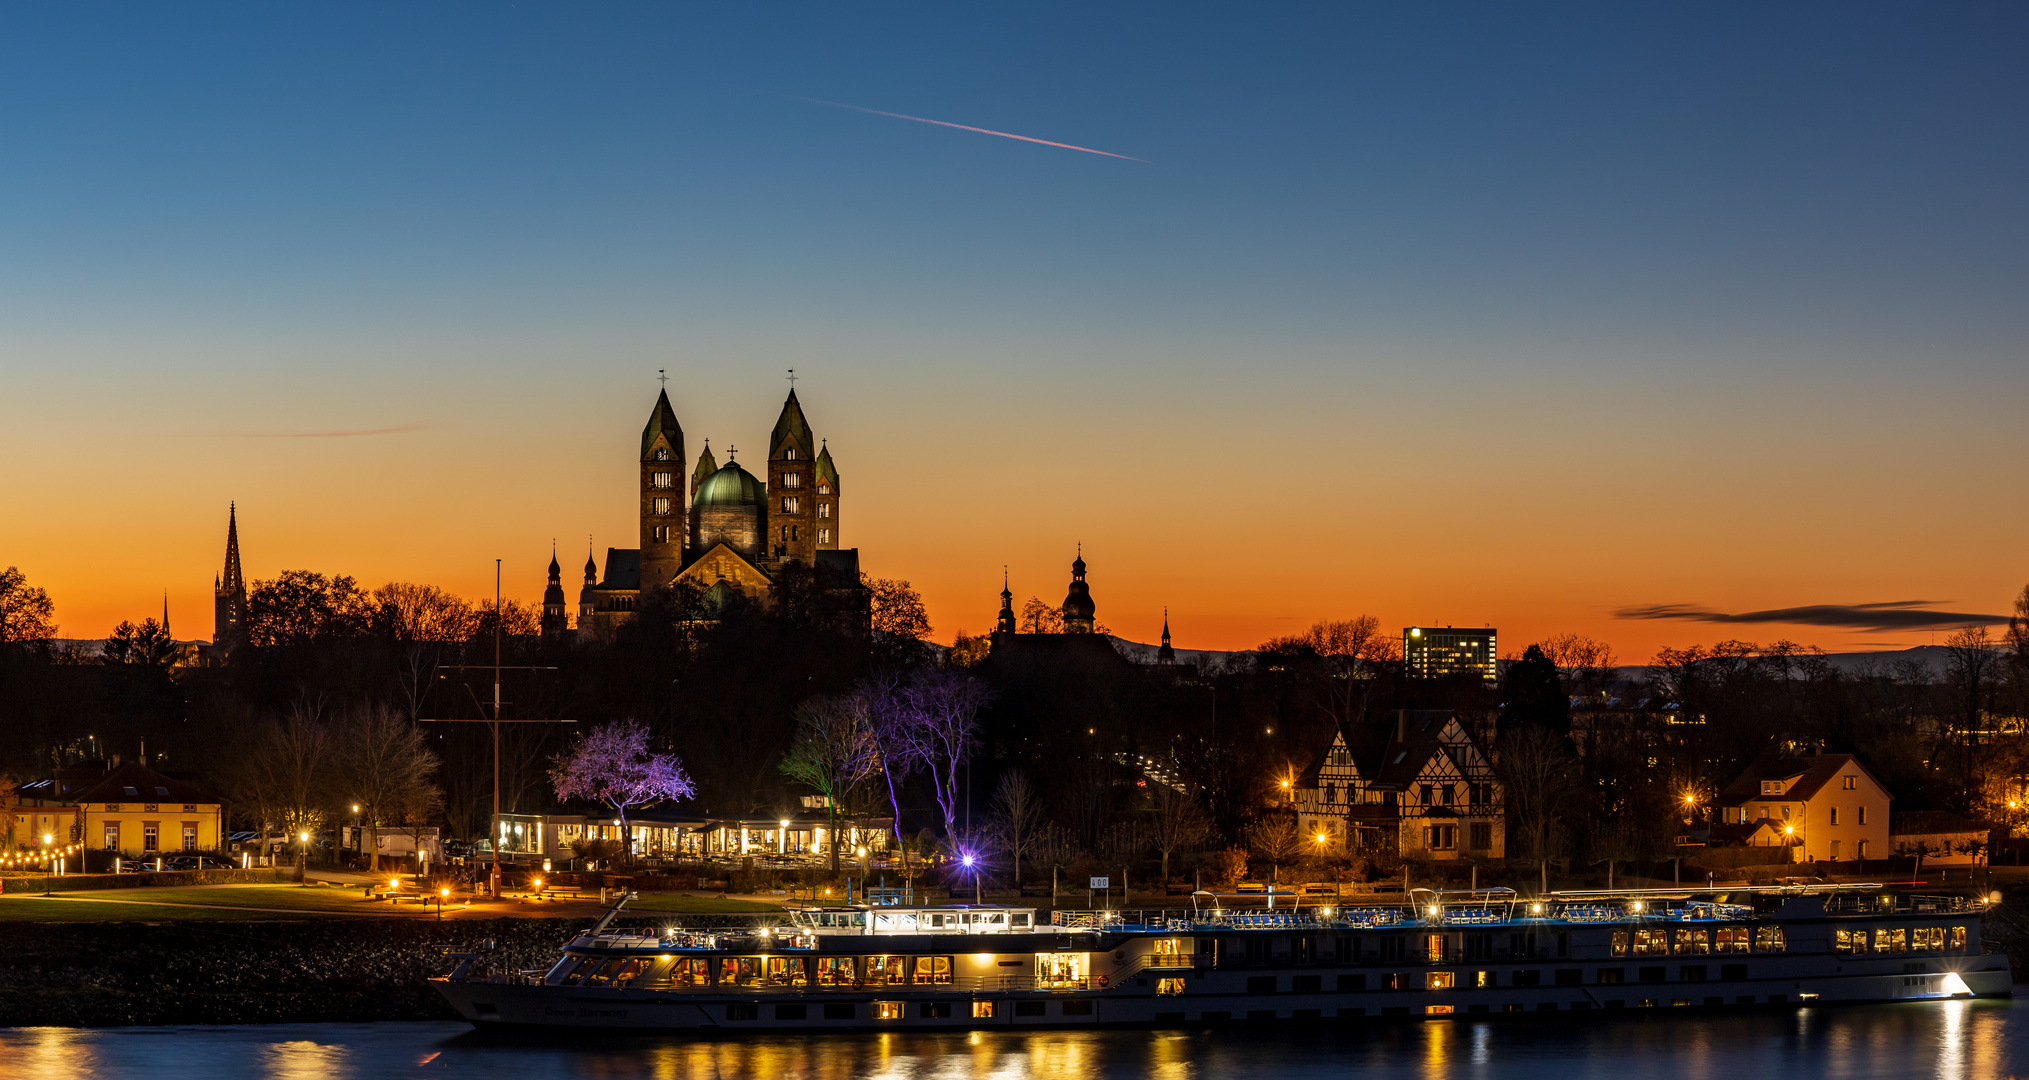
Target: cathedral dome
pixel 730 486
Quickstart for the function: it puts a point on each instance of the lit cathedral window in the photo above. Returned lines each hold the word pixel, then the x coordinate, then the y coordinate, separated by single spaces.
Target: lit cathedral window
pixel 791 504
pixel 662 453
pixel 661 479
pixel 824 536
pixel 792 479
pixel 824 510
pixel 661 504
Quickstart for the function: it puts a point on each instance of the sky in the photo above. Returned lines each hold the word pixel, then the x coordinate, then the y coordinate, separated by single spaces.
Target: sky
pixel 1662 323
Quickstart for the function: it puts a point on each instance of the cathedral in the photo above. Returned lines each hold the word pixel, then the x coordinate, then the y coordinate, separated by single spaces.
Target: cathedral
pixel 721 530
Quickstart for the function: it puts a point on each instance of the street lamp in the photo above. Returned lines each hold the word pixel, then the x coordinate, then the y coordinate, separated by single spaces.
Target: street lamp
pixel 442 895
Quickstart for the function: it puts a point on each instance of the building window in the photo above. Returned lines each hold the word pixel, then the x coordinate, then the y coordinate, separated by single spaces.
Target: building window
pixel 1440 837
pixel 1849 783
pixel 791 504
pixel 660 505
pixel 1835 815
pixel 151 836
pixel 1861 853
pixel 1771 787
pixel 1785 813
pixel 789 454
pixel 824 510
pixel 792 480
pixel 1833 852
pixel 824 489
pixel 824 536
pixel 660 480
pixel 1863 815
pixel 112 836
pixel 190 836
pixel 662 453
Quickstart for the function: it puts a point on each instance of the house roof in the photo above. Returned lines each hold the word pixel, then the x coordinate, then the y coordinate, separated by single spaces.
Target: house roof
pixel 1388 753
pixel 135 782
pixel 1806 774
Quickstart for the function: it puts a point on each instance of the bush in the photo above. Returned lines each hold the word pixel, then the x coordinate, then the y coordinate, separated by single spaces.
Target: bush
pixel 1227 868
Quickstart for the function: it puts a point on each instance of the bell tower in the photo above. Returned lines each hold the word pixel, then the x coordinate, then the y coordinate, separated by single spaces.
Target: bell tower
pixel 662 496
pixel 792 486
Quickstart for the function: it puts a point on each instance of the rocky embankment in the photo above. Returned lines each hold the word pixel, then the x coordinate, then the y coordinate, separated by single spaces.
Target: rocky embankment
pixel 354 970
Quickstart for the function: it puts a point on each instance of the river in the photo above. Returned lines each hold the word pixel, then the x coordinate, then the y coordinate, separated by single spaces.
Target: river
pixel 1955 1040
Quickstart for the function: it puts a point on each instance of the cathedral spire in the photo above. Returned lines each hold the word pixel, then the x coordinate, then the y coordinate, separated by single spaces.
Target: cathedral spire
pixel 706 466
pixel 1165 654
pixel 229 595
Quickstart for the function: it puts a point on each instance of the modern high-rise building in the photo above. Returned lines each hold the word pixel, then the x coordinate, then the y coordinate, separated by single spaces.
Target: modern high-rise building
pixel 1432 652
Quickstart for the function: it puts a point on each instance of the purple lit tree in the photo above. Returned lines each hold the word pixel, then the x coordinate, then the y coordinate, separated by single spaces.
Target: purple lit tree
pixel 942 709
pixel 612 764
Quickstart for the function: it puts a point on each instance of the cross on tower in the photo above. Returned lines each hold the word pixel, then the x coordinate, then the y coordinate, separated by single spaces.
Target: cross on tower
pixel 792 378
pixel 730 451
pixel 662 376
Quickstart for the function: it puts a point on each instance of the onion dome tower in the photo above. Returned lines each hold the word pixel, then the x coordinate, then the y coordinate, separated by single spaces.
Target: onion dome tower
pixel 556 618
pixel 585 601
pixel 1006 623
pixel 732 509
pixel 1078 606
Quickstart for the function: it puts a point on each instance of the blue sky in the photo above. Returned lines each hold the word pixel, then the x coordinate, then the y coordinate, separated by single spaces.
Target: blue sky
pixel 1613 249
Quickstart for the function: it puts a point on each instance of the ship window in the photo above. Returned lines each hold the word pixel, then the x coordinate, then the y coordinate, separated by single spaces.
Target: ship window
pixel 1958 939
pixel 885 971
pixel 1769 939
pixel 741 971
pixel 1439 980
pixel 1169 952
pixel 933 971
pixel 1731 939
pixel 1620 943
pixel 835 971
pixel 580 971
pixel 982 1010
pixel 787 971
pixel 1062 971
pixel 1896 940
pixel 883 1010
pixel 1849 941
pixel 1694 942
pixel 1169 987
pixel 1651 942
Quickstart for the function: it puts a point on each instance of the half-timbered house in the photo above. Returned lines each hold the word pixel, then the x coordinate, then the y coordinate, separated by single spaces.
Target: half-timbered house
pixel 1415 783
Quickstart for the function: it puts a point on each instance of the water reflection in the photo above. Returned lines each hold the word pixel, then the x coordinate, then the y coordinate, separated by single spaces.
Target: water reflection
pixel 1959 1040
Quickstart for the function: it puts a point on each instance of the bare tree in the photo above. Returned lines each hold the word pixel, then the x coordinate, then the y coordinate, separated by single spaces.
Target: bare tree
pixel 1351 652
pixel 1583 663
pixel 1277 839
pixel 1535 768
pixel 27 617
pixel 835 750
pixel 943 706
pixel 285 774
pixel 1017 818
pixel 385 762
pixel 1040 618
pixel 1972 668
pixel 424 620
pixel 1177 821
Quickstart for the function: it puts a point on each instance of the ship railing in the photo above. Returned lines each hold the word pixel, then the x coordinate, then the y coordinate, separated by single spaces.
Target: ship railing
pixel 966 984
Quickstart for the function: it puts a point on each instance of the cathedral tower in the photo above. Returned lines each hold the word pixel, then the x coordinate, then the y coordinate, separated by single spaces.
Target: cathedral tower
pixel 229 592
pixel 587 603
pixel 827 500
pixel 556 618
pixel 662 499
pixel 1078 607
pixel 792 487
pixel 1165 654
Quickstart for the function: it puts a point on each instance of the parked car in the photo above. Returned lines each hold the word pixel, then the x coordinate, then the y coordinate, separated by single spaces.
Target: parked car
pixel 197 862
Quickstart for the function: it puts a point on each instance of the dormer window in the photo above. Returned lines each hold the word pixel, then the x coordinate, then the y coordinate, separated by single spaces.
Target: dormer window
pixel 824 489
pixel 1771 787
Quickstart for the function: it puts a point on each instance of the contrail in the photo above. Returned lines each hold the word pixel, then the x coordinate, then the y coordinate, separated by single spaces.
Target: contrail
pixel 329 434
pixel 966 127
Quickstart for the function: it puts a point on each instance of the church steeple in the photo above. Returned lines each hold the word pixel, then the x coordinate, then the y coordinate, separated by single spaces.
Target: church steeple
pixel 706 466
pixel 556 617
pixel 1165 654
pixel 1078 606
pixel 586 602
pixel 229 596
pixel 1006 623
pixel 662 498
pixel 792 485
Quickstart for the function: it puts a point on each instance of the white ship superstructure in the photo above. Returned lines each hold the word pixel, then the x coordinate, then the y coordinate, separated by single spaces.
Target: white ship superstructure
pixel 1430 954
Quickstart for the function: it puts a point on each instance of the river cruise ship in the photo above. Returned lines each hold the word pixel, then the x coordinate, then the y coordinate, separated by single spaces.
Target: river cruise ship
pixel 1430 955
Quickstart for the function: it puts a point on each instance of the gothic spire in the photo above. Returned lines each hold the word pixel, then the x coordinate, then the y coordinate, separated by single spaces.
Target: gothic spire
pixel 233 582
pixel 662 421
pixel 791 426
pixel 706 466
